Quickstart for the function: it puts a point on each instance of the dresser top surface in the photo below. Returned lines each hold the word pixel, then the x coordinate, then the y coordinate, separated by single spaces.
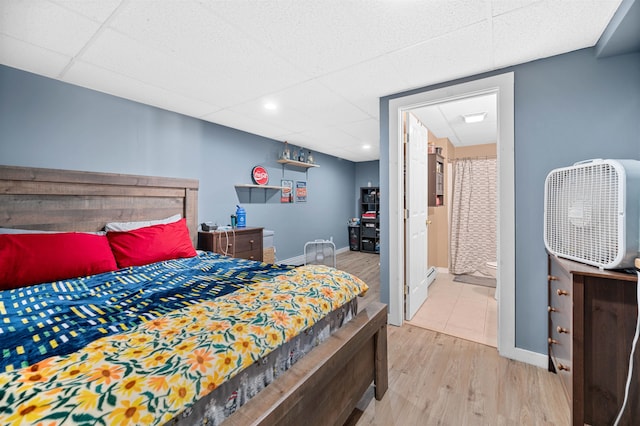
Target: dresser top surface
pixel 578 268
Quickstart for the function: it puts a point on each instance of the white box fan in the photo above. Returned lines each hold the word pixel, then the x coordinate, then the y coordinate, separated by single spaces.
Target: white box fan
pixel 592 212
pixel 320 252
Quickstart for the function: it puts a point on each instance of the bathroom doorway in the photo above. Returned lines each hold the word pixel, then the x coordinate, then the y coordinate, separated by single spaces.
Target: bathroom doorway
pixel 462 231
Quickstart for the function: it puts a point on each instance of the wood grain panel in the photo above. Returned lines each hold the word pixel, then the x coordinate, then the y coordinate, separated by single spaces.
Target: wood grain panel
pixel 69 200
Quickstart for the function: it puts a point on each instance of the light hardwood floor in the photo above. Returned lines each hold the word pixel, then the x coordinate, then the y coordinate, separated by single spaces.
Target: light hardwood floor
pixel 436 379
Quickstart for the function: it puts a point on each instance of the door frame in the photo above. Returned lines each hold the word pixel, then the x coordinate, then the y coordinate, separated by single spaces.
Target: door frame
pixel 503 86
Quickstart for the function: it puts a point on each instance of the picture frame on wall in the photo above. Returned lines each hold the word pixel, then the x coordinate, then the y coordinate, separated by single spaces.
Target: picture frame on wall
pixel 286 194
pixel 301 191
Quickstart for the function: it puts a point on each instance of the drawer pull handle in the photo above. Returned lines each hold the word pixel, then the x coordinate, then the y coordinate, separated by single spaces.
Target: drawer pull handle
pixel 552 278
pixel 551 309
pixel 563 367
pixel 552 341
pixel 562 292
pixel 562 330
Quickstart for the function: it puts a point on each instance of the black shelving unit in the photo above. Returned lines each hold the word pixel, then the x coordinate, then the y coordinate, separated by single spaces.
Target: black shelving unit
pixel 370 219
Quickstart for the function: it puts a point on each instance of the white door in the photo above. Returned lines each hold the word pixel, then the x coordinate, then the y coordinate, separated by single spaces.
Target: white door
pixel 416 267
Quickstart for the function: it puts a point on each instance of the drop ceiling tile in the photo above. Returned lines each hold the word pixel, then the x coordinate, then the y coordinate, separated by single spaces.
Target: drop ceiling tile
pixel 125 56
pixel 454 111
pixel 27 57
pixel 286 116
pixel 47 25
pixel 364 130
pixel 316 100
pixel 96 78
pixel 240 121
pixel 97 10
pixel 476 133
pixel 434 120
pixel 499 7
pixel 327 36
pixel 210 44
pixel 549 28
pixel 457 54
pixel 367 81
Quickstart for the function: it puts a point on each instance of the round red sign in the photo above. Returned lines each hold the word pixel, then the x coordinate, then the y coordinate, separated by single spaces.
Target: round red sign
pixel 260 175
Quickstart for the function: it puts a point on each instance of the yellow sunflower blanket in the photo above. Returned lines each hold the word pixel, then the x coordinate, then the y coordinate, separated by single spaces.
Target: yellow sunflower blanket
pixel 150 374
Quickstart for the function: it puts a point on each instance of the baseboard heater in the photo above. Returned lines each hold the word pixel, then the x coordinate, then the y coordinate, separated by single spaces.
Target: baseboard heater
pixel 431 275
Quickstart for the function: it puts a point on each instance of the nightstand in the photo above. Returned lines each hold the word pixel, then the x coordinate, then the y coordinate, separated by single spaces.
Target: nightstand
pixel 244 243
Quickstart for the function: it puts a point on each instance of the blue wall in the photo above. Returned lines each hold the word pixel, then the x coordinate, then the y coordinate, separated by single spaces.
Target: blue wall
pixel 47 123
pixel 568 108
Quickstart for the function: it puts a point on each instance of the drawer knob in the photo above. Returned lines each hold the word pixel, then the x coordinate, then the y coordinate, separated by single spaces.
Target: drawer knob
pixel 562 330
pixel 551 309
pixel 562 292
pixel 563 367
pixel 552 341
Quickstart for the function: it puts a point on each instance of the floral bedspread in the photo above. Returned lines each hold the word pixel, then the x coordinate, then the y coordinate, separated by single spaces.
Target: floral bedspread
pixel 152 372
pixel 58 318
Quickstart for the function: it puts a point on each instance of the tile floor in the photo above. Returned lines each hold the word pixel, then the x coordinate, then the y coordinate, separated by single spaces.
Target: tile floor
pixel 461 310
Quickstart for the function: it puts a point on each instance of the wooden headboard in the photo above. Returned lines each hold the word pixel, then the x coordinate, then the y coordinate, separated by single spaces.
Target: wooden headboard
pixel 67 200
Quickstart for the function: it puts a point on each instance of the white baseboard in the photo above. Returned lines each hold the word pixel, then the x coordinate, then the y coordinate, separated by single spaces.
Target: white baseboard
pixel 526 356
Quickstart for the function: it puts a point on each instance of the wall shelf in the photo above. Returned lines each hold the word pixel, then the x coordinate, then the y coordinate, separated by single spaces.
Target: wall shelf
pixel 249 185
pixel 296 163
pixel 245 192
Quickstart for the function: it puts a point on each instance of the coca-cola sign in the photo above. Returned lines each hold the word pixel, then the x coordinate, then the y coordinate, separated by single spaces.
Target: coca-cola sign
pixel 260 175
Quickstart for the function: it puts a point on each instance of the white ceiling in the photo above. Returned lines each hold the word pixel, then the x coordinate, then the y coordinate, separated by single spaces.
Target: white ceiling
pixel 447 120
pixel 325 62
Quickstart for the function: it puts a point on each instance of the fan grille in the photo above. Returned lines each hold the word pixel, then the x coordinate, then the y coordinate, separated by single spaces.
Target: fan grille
pixel 582 213
pixel 320 252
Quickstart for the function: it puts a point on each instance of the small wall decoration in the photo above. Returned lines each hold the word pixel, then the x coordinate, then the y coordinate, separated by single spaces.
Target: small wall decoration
pixel 301 191
pixel 260 175
pixel 286 154
pixel 286 195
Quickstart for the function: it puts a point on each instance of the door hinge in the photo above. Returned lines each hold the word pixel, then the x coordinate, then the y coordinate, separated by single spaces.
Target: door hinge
pixel 406 214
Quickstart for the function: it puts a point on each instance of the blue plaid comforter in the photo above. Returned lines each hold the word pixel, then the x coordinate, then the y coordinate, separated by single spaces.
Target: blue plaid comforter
pixel 59 318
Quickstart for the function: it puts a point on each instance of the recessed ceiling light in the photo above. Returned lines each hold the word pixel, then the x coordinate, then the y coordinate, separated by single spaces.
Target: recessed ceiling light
pixel 366 146
pixel 474 118
pixel 270 106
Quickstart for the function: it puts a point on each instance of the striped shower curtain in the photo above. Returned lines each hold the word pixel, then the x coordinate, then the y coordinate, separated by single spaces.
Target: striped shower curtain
pixel 473 215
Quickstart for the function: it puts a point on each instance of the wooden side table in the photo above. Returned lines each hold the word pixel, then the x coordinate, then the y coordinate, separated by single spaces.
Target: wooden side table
pixel 244 243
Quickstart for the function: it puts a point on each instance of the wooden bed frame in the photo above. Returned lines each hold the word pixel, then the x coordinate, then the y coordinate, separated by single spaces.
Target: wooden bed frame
pixel 322 388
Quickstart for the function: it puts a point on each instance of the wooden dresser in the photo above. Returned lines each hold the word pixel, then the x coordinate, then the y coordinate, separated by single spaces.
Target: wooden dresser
pixel 592 319
pixel 245 243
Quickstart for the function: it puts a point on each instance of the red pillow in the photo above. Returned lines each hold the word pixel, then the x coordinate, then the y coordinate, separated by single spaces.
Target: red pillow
pixel 151 244
pixel 27 259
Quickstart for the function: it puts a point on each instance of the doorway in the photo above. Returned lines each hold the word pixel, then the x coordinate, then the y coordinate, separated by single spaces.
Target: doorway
pixel 502 85
pixel 462 137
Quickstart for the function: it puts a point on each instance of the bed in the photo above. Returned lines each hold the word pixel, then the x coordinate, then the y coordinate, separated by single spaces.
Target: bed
pixel 322 387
